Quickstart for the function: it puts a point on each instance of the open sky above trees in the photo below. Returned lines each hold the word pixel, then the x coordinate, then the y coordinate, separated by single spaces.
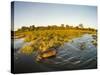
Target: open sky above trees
pixel 43 14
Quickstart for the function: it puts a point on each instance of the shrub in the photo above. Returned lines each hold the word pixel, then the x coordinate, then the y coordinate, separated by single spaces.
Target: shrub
pixel 27 49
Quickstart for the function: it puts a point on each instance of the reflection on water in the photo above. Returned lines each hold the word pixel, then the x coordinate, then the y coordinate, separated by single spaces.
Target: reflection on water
pixel 18 43
pixel 79 53
pixel 71 52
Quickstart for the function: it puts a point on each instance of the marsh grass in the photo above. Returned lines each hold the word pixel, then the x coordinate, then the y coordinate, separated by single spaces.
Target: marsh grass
pixel 43 39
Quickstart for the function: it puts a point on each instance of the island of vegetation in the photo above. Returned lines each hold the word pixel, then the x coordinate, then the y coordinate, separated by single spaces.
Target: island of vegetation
pixel 46 39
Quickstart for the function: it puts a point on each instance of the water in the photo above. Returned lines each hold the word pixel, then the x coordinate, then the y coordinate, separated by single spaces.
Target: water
pixel 18 43
pixel 70 56
pixel 71 52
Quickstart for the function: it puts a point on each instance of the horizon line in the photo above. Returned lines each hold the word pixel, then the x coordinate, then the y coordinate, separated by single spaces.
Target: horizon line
pixel 58 25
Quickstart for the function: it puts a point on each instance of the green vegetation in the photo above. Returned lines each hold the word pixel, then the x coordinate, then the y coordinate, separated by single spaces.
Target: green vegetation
pixel 94 42
pixel 44 38
pixel 27 50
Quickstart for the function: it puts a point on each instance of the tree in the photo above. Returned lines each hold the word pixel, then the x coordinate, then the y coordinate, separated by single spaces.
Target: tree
pixel 67 26
pixel 24 28
pixel 62 25
pixel 80 26
pixel 32 27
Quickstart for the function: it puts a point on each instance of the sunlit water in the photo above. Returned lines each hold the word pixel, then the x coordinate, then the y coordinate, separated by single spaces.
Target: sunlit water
pixel 18 43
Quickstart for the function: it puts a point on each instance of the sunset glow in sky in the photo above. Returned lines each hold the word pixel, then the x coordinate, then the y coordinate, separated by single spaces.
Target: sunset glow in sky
pixel 43 14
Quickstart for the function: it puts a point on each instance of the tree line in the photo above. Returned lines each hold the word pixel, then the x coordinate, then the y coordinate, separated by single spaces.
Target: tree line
pixel 55 27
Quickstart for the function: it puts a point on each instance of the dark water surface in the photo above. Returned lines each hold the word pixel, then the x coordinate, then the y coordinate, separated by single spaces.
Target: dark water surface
pixel 69 57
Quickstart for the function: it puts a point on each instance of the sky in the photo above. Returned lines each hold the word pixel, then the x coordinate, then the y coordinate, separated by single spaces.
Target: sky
pixel 43 14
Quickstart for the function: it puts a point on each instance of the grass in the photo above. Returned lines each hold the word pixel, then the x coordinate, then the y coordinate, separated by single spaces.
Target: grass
pixel 27 49
pixel 43 39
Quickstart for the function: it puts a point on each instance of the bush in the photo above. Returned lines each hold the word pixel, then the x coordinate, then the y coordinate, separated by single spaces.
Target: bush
pixel 27 49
